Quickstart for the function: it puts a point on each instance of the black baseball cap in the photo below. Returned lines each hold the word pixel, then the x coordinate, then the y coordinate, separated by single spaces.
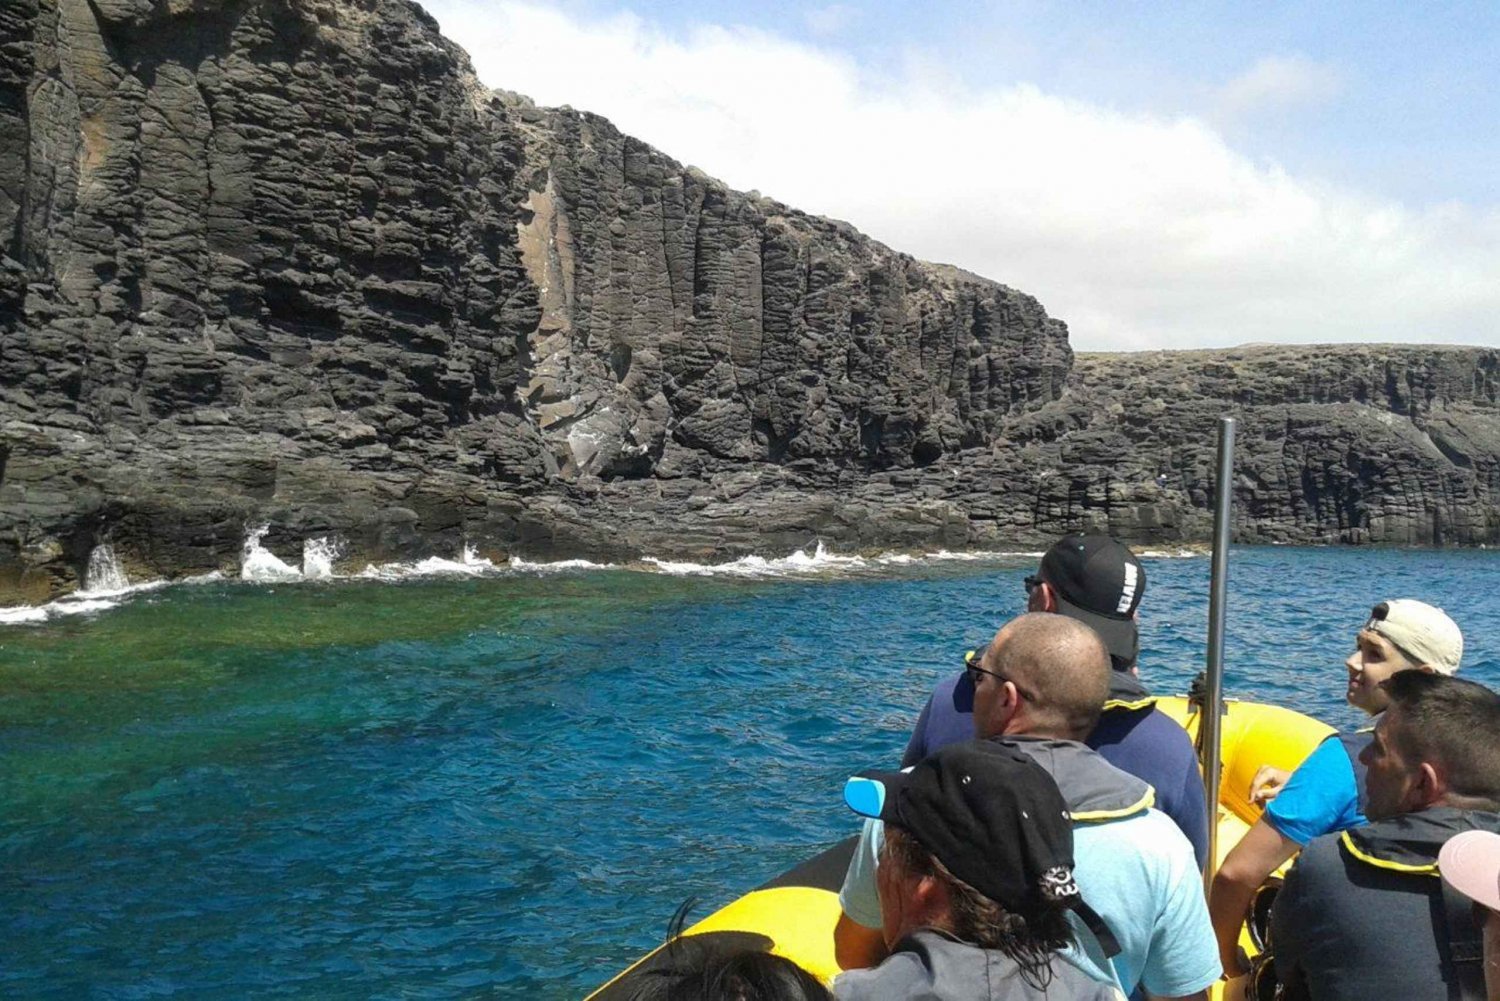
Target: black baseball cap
pixel 989 813
pixel 1100 583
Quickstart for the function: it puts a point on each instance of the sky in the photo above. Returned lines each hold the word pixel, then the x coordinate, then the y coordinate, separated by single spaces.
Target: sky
pixel 1199 174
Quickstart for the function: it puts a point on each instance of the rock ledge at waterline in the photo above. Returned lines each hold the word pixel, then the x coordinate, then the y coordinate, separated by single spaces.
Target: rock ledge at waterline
pixel 286 261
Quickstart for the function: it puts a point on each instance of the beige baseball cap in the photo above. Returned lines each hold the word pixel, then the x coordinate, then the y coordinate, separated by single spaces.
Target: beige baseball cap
pixel 1422 632
pixel 1470 862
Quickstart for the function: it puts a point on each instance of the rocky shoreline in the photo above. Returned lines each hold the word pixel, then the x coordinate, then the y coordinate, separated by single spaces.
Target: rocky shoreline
pixel 287 262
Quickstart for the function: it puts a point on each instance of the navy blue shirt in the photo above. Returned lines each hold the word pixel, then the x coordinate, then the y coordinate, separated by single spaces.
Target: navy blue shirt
pixel 1144 742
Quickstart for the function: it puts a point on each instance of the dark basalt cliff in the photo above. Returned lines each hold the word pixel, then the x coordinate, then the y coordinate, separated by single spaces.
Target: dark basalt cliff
pixel 286 261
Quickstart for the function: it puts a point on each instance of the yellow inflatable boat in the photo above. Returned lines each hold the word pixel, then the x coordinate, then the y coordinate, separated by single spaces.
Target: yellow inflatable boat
pixel 794 914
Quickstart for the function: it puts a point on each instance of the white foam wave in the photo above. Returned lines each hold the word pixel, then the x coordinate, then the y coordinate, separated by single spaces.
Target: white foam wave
pixel 82 606
pixel 77 603
pixel 516 563
pixel 104 575
pixel 978 555
pixel 799 562
pixel 1170 554
pixel 469 564
pixel 318 556
pixel 260 564
pixel 822 560
pixel 203 578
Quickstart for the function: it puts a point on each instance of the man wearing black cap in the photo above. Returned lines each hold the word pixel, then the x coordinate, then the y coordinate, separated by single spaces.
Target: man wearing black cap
pixel 1099 582
pixel 976 878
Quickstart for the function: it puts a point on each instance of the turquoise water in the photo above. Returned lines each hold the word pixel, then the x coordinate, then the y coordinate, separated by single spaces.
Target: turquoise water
pixel 504 786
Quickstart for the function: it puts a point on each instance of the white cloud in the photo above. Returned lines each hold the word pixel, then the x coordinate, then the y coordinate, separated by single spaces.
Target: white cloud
pixel 1278 82
pixel 1138 231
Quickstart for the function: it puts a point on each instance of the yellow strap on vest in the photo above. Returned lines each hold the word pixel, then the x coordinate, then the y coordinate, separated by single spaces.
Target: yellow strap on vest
pixel 1145 703
pixel 1146 802
pixel 1429 869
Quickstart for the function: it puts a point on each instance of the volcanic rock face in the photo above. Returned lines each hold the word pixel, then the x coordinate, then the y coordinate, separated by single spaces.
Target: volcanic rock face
pixel 286 261
pixel 1350 444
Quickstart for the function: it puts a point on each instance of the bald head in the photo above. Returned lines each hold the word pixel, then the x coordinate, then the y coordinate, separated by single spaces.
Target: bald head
pixel 1061 668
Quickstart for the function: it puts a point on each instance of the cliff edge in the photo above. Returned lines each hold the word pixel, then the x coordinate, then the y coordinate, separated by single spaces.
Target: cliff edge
pixel 287 262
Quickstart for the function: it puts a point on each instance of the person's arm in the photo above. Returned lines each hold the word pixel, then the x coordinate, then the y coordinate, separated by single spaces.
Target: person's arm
pixel 916 747
pixel 1268 782
pixel 1260 852
pixel 857 938
pixel 856 947
pixel 1316 799
pixel 1192 814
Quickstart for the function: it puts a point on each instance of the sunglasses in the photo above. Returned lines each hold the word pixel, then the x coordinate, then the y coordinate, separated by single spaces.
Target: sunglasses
pixel 972 668
pixel 1032 582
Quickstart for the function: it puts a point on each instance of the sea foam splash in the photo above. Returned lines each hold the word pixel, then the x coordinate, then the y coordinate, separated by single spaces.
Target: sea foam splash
pixel 799 562
pixel 822 560
pixel 107 587
pixel 517 563
pixel 318 556
pixel 260 564
pixel 104 575
pixel 468 564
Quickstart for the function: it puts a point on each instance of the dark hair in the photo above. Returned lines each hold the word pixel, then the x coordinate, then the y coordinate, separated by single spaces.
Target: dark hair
pixel 1030 939
pixel 710 968
pixel 1455 725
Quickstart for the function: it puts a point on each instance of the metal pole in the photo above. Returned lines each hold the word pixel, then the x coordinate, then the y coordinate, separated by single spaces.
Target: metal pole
pixel 1213 699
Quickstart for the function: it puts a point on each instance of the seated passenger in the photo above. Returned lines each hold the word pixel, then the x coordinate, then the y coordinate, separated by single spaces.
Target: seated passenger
pixel 1099 582
pixel 1039 686
pixel 1325 794
pixel 701 968
pixel 1360 915
pixel 976 879
pixel 1470 863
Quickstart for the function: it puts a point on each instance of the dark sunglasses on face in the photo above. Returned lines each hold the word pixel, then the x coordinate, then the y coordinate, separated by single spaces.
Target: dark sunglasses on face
pixel 971 666
pixel 1032 583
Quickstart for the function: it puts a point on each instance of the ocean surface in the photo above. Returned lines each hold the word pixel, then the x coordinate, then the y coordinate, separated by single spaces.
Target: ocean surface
pixel 458 780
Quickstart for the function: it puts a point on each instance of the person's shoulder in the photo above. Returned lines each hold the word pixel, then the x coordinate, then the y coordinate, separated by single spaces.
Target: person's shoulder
pixel 900 974
pixel 1328 768
pixel 1165 837
pixel 1322 856
pixel 1077 984
pixel 1170 739
pixel 946 685
pixel 1150 833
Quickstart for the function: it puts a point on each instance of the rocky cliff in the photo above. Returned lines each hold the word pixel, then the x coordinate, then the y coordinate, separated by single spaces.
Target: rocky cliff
pixel 287 262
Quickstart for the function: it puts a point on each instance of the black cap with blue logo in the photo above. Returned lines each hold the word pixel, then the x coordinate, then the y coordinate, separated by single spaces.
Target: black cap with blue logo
pixel 989 813
pixel 993 817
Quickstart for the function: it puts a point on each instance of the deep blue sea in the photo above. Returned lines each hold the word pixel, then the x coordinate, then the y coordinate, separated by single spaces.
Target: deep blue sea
pixel 503 784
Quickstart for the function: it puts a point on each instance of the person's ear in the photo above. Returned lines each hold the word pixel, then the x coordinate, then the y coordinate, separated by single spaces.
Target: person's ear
pixel 1049 597
pixel 1429 786
pixel 929 898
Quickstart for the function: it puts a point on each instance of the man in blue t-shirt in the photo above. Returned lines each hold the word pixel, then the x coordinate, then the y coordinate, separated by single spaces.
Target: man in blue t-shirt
pixel 1099 582
pixel 1326 792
